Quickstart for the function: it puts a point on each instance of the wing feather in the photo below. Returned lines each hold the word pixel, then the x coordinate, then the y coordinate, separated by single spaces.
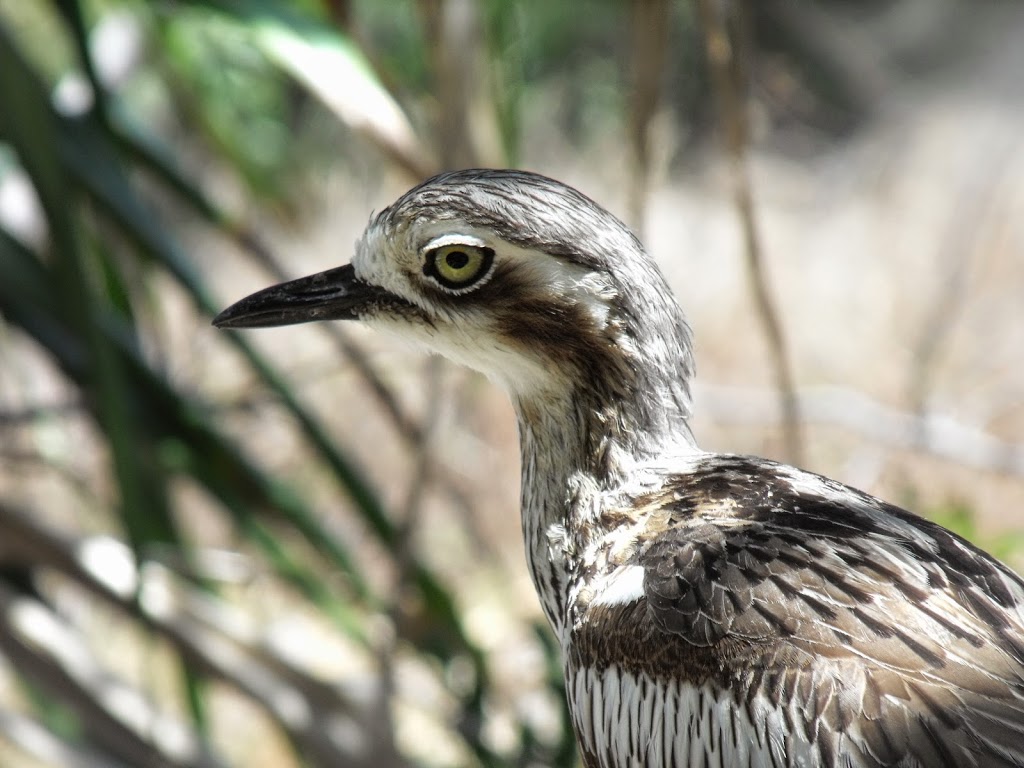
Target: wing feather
pixel 900 643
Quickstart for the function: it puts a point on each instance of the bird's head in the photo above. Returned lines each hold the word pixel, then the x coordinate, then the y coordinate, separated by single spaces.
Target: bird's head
pixel 515 275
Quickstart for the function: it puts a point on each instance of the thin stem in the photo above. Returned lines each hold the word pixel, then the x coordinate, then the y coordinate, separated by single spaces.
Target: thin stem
pixel 728 74
pixel 649 40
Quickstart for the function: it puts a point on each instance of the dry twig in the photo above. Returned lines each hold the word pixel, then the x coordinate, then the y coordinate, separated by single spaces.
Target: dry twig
pixel 728 79
pixel 649 38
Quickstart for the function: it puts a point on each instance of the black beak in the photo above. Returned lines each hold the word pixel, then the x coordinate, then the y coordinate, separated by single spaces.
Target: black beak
pixel 336 294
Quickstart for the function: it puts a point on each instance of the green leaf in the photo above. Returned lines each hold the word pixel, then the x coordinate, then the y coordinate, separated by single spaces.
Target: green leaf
pixel 336 72
pixel 33 129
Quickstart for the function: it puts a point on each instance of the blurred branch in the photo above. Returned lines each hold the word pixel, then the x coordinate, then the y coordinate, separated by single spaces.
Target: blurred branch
pixel 729 76
pixel 648 41
pixel 434 375
pixel 928 433
pixel 213 639
pixel 151 155
pixel 120 718
pixel 467 130
pixel 32 458
pixel 403 552
pixel 32 738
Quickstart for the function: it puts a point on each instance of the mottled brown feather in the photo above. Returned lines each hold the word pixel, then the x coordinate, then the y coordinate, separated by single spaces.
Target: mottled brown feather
pixel 901 640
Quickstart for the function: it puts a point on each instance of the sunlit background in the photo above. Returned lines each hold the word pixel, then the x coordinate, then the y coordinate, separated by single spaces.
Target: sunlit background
pixel 301 546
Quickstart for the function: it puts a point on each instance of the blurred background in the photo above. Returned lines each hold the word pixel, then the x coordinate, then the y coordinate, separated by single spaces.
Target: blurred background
pixel 301 546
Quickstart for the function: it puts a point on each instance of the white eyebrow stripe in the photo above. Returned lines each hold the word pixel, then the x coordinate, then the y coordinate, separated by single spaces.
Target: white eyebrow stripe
pixel 453 239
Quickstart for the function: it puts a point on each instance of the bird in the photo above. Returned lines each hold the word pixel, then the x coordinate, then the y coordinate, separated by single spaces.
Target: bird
pixel 711 609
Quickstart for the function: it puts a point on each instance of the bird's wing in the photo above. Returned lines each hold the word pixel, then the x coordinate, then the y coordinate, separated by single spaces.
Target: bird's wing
pixel 900 641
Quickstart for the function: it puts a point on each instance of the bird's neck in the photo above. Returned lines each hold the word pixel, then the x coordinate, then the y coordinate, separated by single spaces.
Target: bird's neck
pixel 581 447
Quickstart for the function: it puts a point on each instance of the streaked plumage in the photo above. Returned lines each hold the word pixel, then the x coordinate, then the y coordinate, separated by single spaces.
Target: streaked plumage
pixel 713 610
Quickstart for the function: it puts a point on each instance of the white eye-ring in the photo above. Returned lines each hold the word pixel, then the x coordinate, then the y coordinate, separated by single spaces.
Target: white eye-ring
pixel 457 263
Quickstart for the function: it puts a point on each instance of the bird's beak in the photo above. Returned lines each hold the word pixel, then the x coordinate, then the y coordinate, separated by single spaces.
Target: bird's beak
pixel 336 294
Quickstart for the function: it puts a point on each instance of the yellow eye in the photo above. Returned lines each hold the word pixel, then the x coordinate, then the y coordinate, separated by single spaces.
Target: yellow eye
pixel 458 265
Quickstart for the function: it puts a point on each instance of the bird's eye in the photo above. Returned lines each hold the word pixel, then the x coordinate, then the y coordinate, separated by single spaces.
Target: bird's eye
pixel 459 265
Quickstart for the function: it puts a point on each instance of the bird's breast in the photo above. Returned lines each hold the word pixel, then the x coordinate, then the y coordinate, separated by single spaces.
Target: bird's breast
pixel 623 719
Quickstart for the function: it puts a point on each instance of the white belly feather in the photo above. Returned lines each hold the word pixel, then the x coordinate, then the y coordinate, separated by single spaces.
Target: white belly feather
pixel 627 720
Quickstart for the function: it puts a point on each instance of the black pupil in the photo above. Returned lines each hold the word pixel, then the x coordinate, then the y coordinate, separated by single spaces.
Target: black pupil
pixel 456 259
